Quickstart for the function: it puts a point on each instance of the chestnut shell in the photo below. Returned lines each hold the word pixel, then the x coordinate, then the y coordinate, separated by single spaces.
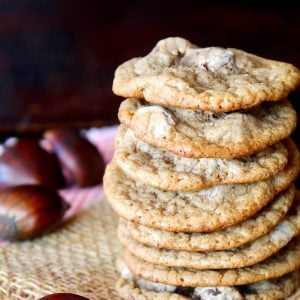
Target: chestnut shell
pixel 27 211
pixel 81 161
pixel 26 162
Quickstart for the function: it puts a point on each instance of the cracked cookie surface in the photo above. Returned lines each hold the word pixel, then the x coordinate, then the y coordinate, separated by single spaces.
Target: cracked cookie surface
pixel 246 255
pixel 285 261
pixel 230 237
pixel 167 171
pixel 178 73
pixel 133 288
pixel 199 134
pixel 199 211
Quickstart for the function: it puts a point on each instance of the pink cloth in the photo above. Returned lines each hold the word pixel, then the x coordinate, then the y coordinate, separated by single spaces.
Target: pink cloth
pixel 82 198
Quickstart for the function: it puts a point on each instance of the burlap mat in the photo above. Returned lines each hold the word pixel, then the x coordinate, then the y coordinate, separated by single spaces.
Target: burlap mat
pixel 79 258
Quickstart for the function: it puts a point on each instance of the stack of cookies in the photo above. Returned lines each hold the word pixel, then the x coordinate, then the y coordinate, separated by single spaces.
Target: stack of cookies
pixel 203 174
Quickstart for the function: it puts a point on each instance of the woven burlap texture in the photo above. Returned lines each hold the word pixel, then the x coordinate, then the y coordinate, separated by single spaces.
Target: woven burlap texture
pixel 79 258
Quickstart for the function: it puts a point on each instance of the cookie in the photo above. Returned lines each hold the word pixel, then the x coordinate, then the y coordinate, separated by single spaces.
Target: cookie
pixel 283 262
pixel 230 237
pixel 246 255
pixel 178 73
pixel 200 134
pixel 130 287
pixel 167 171
pixel 201 211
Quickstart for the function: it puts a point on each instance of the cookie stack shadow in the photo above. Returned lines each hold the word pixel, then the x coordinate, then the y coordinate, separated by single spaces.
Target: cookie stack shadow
pixel 202 176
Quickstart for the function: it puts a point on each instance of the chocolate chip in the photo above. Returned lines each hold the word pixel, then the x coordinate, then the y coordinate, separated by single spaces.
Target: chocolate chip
pixel 214 292
pixel 184 291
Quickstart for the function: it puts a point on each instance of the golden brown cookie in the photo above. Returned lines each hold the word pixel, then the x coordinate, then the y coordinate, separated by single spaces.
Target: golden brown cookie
pixel 200 211
pixel 167 171
pixel 246 255
pixel 230 237
pixel 283 262
pixel 178 73
pixel 130 287
pixel 200 134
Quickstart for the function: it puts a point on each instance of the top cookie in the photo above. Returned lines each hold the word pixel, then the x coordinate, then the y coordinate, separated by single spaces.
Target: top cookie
pixel 178 73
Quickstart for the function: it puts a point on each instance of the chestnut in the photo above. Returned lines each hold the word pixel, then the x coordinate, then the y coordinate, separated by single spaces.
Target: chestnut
pixel 25 162
pixel 63 296
pixel 27 211
pixel 81 162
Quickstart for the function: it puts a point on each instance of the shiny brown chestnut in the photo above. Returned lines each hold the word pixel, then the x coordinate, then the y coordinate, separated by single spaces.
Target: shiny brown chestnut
pixel 81 162
pixel 25 162
pixel 27 211
pixel 63 296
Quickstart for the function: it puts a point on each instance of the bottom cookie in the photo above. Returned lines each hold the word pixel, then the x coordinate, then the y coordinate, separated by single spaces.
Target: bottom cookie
pixel 132 288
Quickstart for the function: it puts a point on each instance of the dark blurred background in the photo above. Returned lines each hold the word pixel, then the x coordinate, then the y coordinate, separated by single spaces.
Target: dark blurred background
pixel 57 58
